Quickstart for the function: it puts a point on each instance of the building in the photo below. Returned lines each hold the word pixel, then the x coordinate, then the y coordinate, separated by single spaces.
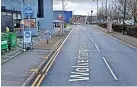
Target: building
pixel 79 18
pixel 11 11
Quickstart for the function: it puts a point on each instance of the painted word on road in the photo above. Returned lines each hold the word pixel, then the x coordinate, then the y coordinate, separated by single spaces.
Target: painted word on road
pixel 82 68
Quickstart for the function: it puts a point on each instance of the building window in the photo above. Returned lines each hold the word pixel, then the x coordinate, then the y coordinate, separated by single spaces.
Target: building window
pixel 9 13
pixel 14 16
pixel 19 16
pixel 3 13
pixel 40 9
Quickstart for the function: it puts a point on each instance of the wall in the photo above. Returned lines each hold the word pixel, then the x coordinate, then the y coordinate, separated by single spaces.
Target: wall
pixel 47 21
pixel 11 4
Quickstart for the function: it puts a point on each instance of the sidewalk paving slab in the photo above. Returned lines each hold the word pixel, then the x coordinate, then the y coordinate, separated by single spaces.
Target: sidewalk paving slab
pixel 5 57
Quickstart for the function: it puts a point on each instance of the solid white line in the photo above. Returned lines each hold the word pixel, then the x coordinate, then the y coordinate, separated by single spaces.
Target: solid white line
pixel 97 47
pixel 111 71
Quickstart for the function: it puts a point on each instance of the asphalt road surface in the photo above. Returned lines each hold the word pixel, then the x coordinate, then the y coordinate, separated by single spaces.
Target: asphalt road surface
pixel 91 58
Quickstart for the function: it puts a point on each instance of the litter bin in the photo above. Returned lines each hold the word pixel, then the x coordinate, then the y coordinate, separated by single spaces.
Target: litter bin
pixel 4 42
pixel 65 25
pixel 12 40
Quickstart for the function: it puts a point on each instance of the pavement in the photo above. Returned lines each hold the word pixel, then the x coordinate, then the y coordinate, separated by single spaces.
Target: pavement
pixel 126 38
pixel 15 71
pixel 6 56
pixel 91 58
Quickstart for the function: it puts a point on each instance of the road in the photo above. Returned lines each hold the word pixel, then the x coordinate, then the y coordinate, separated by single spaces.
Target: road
pixel 91 58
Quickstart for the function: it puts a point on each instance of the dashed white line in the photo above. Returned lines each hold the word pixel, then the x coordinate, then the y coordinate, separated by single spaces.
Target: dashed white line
pixel 111 71
pixel 90 37
pixel 97 47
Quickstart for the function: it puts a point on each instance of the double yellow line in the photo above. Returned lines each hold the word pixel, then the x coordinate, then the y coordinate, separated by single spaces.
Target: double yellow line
pixel 40 77
pixel 45 70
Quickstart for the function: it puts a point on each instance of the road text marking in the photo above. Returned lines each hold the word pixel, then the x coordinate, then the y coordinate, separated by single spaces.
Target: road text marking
pixel 81 72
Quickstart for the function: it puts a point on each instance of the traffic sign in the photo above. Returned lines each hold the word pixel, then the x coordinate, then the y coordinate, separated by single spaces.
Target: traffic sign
pixel 59 16
pixel 27 36
pixel 28 11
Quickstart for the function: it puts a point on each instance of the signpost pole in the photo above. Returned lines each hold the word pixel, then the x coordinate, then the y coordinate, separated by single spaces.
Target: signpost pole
pixel 27 34
pixel 22 16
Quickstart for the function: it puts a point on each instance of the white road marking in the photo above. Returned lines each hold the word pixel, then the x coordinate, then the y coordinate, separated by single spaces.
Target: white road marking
pixel 97 47
pixel 90 37
pixel 79 66
pixel 111 71
pixel 79 76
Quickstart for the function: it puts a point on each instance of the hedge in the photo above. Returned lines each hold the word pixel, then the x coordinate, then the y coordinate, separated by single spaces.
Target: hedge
pixel 103 25
pixel 130 29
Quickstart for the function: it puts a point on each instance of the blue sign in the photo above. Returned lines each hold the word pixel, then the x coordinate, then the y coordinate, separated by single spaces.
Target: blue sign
pixel 28 11
pixel 27 36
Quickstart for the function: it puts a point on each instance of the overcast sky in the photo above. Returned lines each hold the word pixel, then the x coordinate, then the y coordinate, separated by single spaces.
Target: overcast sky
pixel 81 7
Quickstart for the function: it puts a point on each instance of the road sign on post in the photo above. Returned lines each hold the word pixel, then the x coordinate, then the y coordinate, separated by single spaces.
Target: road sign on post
pixel 28 40
pixel 27 37
pixel 28 11
pixel 59 16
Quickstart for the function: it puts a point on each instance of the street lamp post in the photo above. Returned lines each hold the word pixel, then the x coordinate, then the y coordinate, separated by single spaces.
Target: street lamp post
pixel 97 10
pixel 106 11
pixel 103 11
pixel 135 10
pixel 62 25
pixel 123 30
pixel 91 16
pixel 22 17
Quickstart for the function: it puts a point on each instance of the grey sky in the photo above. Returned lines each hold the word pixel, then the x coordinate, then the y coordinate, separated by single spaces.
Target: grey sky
pixel 82 7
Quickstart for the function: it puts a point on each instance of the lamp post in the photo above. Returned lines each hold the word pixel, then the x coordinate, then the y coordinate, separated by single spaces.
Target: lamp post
pixel 97 10
pixel 135 10
pixel 62 25
pixel 123 30
pixel 103 11
pixel 22 17
pixel 91 16
pixel 106 11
